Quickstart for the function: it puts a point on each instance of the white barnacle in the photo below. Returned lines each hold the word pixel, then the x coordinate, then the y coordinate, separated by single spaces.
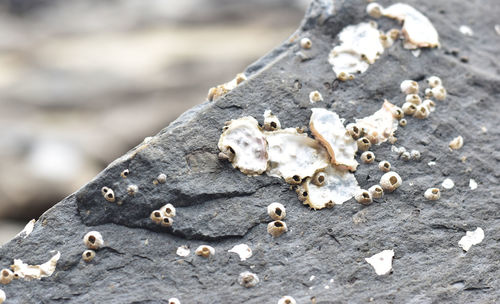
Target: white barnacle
pixel 471 238
pixel 406 156
pixel 421 112
pixel 409 87
pixel 28 272
pixel 431 105
pixel 384 166
pixel 315 97
pixel 205 251
pixel 415 154
pixel 456 143
pixel 363 197
pixel 168 210
pixel 376 191
pixel 125 173
pixel 166 221
pixel 414 99
pixel 379 126
pixel 448 184
pixel 439 92
pixel 244 142
pixel 6 276
pixel 328 129
pixel 390 181
pixel 434 81
pixel 88 255
pixel 182 251
pixel 354 130
pixel 432 194
pixel 276 228
pixel 367 157
pixel 156 216
pixel 248 279
pixel 93 240
pixel 108 194
pixel 374 9
pixel 276 211
pixel 305 43
pixel 271 121
pixel 174 301
pixel 409 108
pixel 242 250
pixel 287 300
pixel 3 297
pixel 381 262
pixel 403 122
pixel 132 189
pixel 363 144
pixel 162 178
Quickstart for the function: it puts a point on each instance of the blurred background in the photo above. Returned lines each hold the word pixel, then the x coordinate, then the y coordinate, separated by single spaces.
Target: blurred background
pixel 83 81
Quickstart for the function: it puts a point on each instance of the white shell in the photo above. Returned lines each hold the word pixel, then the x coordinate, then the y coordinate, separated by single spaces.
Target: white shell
pixel 242 250
pixel 465 30
pixel 222 89
pixel 381 262
pixel 432 194
pixel 390 181
pixel 168 210
pixel 305 43
pixel 471 238
pixel 380 125
pixel 409 87
pixel 28 272
pixel 439 92
pixel 448 183
pixel 328 129
pixel 182 251
pixel 434 81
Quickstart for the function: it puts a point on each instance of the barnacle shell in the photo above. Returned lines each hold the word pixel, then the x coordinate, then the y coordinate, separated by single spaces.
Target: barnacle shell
pixel 294 156
pixel 222 89
pixel 271 121
pixel 108 194
pixel 168 210
pixel 315 96
pixel 384 166
pixel 380 125
pixel 287 300
pixel 434 81
pixel 243 138
pixel 456 143
pixel 248 279
pixel 305 43
pixel 166 221
pixel 329 130
pixel 339 187
pixel 381 262
pixel 182 251
pixel 276 211
pixel 414 99
pixel 390 181
pixel 3 297
pixel 376 191
pixel 93 240
pixel 367 157
pixel 28 272
pixel 125 173
pixel 409 108
pixel 88 255
pixel 156 216
pixel 421 112
pixel 6 276
pixel 205 251
pixel 276 228
pixel 363 197
pixel 174 301
pixel 439 92
pixel 432 194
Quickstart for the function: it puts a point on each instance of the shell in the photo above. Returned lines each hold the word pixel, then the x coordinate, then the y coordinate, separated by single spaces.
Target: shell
pixel 88 255
pixel 276 211
pixel 390 181
pixel 376 191
pixel 205 251
pixel 432 194
pixel 93 240
pixel 276 228
pixel 363 197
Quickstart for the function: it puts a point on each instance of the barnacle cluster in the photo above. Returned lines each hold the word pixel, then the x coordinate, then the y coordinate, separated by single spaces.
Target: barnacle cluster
pixel 277 212
pixel 93 241
pixel 164 216
pixel 414 105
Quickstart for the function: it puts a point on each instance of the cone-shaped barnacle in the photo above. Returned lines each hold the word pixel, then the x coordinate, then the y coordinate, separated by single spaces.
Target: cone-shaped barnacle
pixel 6 276
pixel 397 112
pixel 88 255
pixel 93 240
pixel 432 194
pixel 319 178
pixel 108 194
pixel 415 154
pixel 403 122
pixel 364 144
pixel 354 130
pixel 276 228
pixel 205 251
pixel 156 216
pixel 421 112
pixel 271 121
pixel 3 297
pixel 363 197
pixel 287 300
pixel 439 93
pixel 125 173
pixel 132 189
pixel 374 10
pixel 406 156
pixel 248 279
pixel 390 181
pixel 168 210
pixel 409 108
pixel 315 96
pixel 305 43
pixel 367 157
pixel 434 81
pixel 431 105
pixel 409 87
pixel 276 211
pixel 456 143
pixel 162 178
pixel 166 221
pixel 414 99
pixel 384 166
pixel 174 301
pixel 376 191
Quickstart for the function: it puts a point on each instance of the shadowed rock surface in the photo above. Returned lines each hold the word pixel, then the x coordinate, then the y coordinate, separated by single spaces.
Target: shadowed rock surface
pixel 219 206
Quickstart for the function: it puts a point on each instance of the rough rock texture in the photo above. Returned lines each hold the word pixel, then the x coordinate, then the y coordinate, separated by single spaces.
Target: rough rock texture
pixel 321 258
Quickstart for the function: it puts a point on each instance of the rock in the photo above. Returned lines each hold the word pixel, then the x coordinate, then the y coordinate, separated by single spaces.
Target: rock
pixel 216 205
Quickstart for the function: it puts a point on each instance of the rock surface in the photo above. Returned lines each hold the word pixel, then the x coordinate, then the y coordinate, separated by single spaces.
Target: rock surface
pixel 321 259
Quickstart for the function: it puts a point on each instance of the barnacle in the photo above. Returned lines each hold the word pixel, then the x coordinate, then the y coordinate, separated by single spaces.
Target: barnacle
pixel 354 130
pixel 367 157
pixel 315 96
pixel 432 194
pixel 415 154
pixel 287 300
pixel 174 301
pixel 409 108
pixel 305 43
pixel 108 194
pixel 271 122
pixel 242 250
pixel 168 210
pixel 248 279
pixel 319 178
pixel 428 93
pixel 374 9
pixel 6 276
pixel 379 126
pixel 3 297
pixel 456 143
pixel 93 240
pixel 421 112
pixel 244 140
pixel 409 87
pixel 125 173
pixel 276 211
pixel 376 191
pixel 162 178
pixel 397 112
pixel 339 186
pixel 471 238
pixel 156 216
pixel 414 99
pixel 294 156
pixel 439 92
pixel 132 189
pixel 276 228
pixel 363 144
pixel 434 81
pixel 406 156
pixel 381 262
pixel 390 181
pixel 222 89
pixel 403 122
pixel 205 251
pixel 384 166
pixel 28 272
pixel 88 255
pixel 329 130
pixel 166 221
pixel 182 251
pixel 363 197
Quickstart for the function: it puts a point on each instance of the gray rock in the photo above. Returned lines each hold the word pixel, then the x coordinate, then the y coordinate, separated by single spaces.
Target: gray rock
pixel 219 206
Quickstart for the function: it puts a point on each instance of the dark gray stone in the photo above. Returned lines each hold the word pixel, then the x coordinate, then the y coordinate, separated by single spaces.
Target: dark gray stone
pixel 219 206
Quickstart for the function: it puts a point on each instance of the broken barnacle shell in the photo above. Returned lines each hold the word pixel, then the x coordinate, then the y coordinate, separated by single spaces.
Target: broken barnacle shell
pixel 363 144
pixel 276 228
pixel 294 156
pixel 271 122
pixel 363 197
pixel 354 130
pixel 156 216
pixel 456 143
pixel 367 157
pixel 328 129
pixel 434 81
pixel 376 191
pixel 205 251
pixel 381 262
pixel 390 181
pixel 339 186
pixel 93 240
pixel 431 105
pixel 28 272
pixel 166 221
pixel 108 194
pixel 315 96
pixel 432 194
pixel 125 173
pixel 379 126
pixel 244 139
pixel 439 92
pixel 6 276
pixel 88 255
pixel 168 210
pixel 384 166
pixel 248 279
pixel 409 108
pixel 276 211
pixel 409 87
pixel 222 89
pixel 414 99
pixel 421 112
pixel 305 43
pixel 319 178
